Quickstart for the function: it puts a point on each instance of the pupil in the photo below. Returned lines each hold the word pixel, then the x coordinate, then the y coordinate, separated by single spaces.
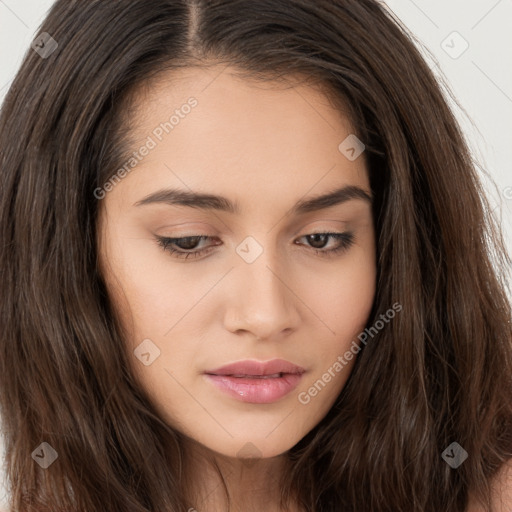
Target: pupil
pixel 189 242
pixel 317 238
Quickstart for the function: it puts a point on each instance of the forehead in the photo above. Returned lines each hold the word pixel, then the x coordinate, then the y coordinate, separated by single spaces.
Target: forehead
pixel 265 136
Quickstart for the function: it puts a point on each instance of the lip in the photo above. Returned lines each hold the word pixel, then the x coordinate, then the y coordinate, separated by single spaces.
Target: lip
pixel 258 382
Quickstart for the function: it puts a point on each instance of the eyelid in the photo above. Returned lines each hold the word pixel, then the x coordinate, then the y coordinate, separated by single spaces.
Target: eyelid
pixel 345 242
pixel 319 226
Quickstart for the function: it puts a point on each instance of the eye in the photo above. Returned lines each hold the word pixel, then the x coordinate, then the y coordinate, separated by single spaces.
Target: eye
pixel 318 242
pixel 186 247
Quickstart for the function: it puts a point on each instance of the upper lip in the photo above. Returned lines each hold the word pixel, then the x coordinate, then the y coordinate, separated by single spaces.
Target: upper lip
pixel 257 368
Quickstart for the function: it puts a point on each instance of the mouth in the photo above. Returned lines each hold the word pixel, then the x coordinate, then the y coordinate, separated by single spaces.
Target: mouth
pixel 255 381
pixel 254 369
pixel 273 376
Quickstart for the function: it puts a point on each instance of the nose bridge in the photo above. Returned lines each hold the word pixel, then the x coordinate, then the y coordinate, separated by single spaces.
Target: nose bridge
pixel 262 302
pixel 264 284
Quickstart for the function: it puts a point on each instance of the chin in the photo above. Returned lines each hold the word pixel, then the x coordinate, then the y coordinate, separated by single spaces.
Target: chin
pixel 250 449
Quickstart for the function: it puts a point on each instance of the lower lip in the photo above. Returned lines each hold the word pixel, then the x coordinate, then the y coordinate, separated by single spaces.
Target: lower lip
pixel 256 391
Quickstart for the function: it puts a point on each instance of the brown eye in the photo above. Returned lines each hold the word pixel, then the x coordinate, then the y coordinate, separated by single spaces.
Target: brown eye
pixel 318 242
pixel 184 247
pixel 188 243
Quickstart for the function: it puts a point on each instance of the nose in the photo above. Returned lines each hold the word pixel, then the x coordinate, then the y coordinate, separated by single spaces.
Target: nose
pixel 261 301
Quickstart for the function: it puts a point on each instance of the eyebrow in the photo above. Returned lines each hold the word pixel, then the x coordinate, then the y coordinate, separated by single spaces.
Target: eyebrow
pixel 213 202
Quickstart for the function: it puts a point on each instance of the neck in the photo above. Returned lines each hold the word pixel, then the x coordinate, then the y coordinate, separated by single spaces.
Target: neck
pixel 252 485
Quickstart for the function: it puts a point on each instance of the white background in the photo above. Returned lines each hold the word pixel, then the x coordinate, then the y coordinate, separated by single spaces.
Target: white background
pixel 480 78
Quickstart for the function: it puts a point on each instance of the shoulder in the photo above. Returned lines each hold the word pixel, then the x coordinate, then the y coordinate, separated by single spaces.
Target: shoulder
pixel 501 498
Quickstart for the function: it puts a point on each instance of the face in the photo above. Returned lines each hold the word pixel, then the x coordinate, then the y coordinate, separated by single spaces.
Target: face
pixel 217 250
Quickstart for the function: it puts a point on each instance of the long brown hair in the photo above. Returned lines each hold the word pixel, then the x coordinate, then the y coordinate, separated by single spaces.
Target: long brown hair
pixel 439 373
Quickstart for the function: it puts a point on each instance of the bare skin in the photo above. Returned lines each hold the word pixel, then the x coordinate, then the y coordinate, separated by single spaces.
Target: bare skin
pixel 264 146
pixel 501 492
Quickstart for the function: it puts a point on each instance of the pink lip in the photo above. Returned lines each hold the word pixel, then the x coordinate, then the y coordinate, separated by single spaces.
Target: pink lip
pixel 257 382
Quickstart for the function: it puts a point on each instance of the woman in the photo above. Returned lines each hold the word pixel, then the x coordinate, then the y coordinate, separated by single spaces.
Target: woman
pixel 247 264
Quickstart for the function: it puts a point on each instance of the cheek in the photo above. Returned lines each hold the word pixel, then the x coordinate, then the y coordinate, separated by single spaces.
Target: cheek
pixel 156 301
pixel 351 302
pixel 149 297
pixel 342 296
pixel 344 302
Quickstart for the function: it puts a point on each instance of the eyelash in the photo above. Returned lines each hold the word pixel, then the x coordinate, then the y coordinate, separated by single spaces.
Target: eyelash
pixel 346 241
